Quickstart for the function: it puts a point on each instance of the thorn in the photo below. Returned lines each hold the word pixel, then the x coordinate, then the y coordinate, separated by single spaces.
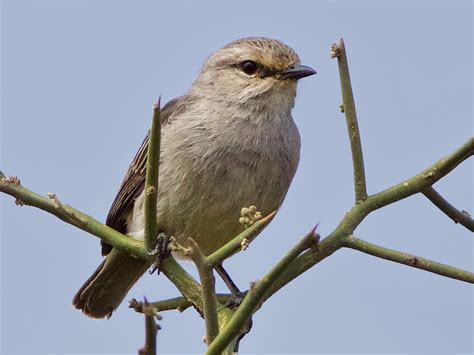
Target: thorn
pixel 317 236
pixel 253 284
pixel 157 106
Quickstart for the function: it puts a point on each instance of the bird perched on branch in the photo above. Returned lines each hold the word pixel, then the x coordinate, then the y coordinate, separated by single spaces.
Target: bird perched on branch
pixel 229 142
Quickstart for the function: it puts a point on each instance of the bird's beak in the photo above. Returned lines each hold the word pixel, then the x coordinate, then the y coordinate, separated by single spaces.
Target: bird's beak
pixel 296 72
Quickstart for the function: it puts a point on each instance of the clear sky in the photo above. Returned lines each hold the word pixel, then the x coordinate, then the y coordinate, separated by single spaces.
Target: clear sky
pixel 78 82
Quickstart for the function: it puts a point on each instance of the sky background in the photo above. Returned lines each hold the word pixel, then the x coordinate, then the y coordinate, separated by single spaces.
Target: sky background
pixel 78 83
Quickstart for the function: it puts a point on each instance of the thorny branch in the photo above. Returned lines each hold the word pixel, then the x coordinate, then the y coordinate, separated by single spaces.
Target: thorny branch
pixel 297 260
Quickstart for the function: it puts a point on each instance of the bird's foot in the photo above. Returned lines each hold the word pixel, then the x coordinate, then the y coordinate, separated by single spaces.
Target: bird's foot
pixel 162 251
pixel 235 299
pixel 249 215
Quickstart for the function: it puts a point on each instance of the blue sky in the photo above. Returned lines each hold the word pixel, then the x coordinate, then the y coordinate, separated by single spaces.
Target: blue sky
pixel 79 79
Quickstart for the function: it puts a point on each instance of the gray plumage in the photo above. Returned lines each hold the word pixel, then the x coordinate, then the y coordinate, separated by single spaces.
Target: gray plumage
pixel 229 143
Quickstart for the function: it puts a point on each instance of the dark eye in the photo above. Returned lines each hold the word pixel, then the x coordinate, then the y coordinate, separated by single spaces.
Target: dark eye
pixel 249 67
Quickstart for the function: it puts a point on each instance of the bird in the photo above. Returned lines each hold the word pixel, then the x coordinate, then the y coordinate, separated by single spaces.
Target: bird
pixel 229 142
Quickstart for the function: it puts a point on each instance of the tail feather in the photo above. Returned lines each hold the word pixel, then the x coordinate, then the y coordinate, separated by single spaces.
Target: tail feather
pixel 103 292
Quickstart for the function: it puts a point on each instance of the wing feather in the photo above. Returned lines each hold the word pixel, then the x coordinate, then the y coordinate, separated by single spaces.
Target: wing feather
pixel 134 180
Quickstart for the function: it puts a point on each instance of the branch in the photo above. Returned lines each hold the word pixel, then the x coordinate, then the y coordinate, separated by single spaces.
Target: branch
pixel 74 217
pixel 338 50
pixel 357 214
pixel 188 287
pixel 461 217
pixel 151 329
pixel 208 284
pixel 424 179
pixel 235 245
pixel 256 293
pixel 408 259
pixel 179 304
pixel 151 180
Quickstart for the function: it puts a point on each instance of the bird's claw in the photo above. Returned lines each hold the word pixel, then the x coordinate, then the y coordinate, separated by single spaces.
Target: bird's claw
pixel 162 251
pixel 235 299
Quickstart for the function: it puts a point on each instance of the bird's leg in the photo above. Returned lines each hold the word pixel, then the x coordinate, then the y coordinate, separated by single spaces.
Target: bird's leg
pixel 162 251
pixel 235 300
pixel 236 296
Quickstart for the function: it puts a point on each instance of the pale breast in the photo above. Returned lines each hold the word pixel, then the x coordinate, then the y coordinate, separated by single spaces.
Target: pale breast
pixel 208 174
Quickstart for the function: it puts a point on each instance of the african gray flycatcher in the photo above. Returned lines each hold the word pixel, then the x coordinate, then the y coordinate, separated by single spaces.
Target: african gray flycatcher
pixel 229 142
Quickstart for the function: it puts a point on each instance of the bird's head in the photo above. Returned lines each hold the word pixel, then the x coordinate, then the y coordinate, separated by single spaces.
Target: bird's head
pixel 253 71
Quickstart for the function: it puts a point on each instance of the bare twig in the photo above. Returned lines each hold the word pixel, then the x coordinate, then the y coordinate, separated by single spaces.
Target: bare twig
pixel 461 217
pixel 208 284
pixel 256 293
pixel 151 329
pixel 151 180
pixel 338 50
pixel 408 259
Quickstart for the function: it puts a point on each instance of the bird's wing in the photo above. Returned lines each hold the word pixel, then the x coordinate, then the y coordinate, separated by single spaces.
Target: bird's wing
pixel 134 180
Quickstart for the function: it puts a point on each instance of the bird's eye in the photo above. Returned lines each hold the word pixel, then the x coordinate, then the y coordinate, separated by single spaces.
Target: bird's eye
pixel 249 67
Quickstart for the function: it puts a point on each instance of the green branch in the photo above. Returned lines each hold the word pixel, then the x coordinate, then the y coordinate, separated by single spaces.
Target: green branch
pixel 423 180
pixel 461 217
pixel 408 259
pixel 185 283
pixel 12 186
pixel 151 179
pixel 208 283
pixel 357 214
pixel 338 50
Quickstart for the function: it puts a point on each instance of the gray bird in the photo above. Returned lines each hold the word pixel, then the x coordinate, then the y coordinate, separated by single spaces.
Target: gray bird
pixel 230 142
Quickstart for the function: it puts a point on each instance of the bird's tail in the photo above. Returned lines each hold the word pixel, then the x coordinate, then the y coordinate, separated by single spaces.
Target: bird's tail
pixel 103 292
